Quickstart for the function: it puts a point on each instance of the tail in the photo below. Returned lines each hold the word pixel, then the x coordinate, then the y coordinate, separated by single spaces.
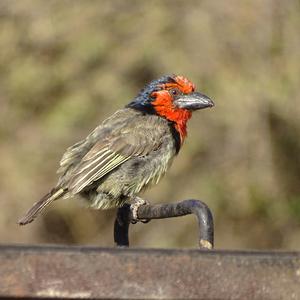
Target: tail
pixel 39 206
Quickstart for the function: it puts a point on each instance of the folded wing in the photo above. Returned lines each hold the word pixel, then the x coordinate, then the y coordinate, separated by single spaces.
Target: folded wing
pixel 135 139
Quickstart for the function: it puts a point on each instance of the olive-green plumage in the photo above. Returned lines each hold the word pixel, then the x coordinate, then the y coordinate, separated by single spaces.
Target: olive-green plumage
pixel 125 143
pixel 129 151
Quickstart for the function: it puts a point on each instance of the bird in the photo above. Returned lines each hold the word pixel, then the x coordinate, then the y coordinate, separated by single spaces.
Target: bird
pixel 130 150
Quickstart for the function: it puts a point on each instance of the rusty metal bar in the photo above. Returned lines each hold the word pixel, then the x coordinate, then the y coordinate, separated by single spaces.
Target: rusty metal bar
pixel 169 210
pixel 94 273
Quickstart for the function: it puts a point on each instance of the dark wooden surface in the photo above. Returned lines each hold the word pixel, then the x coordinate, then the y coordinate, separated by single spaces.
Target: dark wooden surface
pixel 98 273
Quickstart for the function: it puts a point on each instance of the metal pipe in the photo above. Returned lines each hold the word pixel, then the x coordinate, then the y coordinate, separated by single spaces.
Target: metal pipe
pixel 162 211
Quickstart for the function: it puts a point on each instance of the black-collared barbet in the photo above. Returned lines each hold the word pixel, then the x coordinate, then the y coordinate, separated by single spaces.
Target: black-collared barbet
pixel 130 150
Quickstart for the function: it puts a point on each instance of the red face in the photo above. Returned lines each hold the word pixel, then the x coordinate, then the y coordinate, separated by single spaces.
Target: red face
pixel 182 84
pixel 165 105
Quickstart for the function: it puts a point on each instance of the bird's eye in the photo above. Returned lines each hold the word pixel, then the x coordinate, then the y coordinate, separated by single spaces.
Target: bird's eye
pixel 175 92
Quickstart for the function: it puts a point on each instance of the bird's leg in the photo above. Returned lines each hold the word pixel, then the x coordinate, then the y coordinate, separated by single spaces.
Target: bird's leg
pixel 137 202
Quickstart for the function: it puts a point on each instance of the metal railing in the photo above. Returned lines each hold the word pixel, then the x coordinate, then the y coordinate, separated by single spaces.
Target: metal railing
pixel 163 211
pixel 63 272
pixel 120 273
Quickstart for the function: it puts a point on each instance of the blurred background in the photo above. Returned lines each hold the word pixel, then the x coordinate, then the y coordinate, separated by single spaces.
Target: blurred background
pixel 67 65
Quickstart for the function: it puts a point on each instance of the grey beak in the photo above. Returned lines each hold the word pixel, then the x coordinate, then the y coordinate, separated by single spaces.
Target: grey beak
pixel 193 101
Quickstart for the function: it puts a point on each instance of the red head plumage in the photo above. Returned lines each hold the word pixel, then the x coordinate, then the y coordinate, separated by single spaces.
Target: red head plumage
pixel 173 98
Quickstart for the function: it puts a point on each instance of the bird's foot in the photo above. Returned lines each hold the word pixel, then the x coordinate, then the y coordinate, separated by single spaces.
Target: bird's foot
pixel 134 207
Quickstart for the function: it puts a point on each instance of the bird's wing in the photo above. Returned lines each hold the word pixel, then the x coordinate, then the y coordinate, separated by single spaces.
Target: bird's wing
pixel 135 139
pixel 72 155
pixel 76 152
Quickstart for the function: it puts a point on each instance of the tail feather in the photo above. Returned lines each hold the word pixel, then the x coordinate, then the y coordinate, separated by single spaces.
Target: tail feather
pixel 40 205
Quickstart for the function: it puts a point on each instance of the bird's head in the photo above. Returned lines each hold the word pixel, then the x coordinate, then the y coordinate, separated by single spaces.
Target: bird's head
pixel 173 98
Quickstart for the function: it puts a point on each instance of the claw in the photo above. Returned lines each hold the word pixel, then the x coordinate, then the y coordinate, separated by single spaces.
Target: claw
pixel 134 207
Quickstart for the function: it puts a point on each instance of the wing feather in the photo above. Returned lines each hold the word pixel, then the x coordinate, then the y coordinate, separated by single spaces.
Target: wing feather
pixel 113 150
pixel 93 169
pixel 94 160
